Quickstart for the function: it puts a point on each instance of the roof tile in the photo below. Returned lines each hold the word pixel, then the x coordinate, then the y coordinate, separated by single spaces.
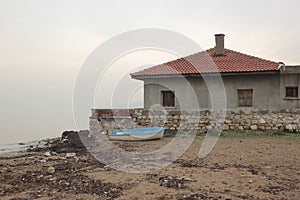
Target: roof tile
pixel 208 62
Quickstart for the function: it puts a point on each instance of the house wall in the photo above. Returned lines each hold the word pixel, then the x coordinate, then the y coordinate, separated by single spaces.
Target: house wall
pixel 266 93
pixel 268 90
pixel 183 92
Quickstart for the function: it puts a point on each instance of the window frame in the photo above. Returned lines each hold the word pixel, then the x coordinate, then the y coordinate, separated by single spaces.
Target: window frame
pixel 239 100
pixel 293 94
pixel 172 102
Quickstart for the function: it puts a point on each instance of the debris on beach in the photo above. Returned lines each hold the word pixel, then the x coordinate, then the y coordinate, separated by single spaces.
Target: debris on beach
pixel 58 169
pixel 196 196
pixel 174 182
pixel 191 163
pixel 70 142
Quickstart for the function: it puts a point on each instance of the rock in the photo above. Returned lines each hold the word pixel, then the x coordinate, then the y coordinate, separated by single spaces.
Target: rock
pixel 64 140
pixel 71 155
pixel 261 127
pixel 5 169
pixel 51 170
pixel 226 127
pixel 53 179
pixel 47 154
pixel 41 144
pixel 289 127
pixel 261 121
pixel 253 127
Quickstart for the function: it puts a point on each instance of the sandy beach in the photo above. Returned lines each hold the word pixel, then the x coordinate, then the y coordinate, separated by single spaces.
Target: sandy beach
pixel 239 167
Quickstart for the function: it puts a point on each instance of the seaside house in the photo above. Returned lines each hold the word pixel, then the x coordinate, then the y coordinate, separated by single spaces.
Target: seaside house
pixel 248 81
pixel 256 93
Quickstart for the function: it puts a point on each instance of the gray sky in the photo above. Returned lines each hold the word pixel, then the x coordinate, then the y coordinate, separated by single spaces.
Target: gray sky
pixel 44 44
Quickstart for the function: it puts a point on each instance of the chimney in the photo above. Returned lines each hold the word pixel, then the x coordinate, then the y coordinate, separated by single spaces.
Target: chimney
pixel 220 44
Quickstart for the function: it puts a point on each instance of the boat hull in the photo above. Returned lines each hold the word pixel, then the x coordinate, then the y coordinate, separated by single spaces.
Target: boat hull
pixel 127 135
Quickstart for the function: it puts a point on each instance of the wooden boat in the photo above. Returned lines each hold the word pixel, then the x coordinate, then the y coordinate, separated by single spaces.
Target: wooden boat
pixel 137 134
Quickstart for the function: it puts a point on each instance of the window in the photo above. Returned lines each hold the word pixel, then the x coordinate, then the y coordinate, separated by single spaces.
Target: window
pixel 168 98
pixel 245 97
pixel 291 91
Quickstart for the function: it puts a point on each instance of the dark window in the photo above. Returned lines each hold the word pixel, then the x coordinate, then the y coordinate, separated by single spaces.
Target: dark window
pixel 291 91
pixel 168 98
pixel 245 97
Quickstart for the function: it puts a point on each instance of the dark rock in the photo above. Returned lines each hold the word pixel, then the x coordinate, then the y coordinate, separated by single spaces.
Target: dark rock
pixel 72 142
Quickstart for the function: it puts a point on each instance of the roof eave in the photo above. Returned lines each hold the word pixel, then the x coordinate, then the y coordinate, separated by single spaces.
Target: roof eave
pixel 142 77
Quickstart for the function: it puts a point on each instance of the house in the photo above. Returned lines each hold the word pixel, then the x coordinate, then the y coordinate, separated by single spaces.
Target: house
pixel 248 81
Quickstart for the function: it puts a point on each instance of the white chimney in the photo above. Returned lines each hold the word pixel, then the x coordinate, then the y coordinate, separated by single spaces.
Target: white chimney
pixel 219 44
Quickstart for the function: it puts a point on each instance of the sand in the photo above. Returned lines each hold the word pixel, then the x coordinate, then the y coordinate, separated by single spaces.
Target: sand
pixel 237 168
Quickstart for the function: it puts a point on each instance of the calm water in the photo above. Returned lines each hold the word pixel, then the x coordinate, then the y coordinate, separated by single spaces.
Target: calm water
pixel 15 147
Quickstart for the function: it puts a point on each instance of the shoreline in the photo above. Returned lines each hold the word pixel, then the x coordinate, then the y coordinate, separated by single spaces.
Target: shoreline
pixel 23 146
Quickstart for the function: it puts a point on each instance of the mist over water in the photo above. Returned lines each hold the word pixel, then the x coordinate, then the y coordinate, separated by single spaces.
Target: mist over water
pixel 45 43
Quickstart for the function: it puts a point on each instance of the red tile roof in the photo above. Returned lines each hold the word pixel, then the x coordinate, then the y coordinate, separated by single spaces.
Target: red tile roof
pixel 208 62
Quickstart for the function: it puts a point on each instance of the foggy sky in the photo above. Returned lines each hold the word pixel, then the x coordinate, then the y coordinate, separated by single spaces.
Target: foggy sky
pixel 45 43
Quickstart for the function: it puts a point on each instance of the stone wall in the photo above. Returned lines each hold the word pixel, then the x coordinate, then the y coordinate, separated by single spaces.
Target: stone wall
pixel 236 119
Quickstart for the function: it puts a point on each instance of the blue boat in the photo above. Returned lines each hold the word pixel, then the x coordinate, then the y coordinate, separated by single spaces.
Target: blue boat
pixel 137 134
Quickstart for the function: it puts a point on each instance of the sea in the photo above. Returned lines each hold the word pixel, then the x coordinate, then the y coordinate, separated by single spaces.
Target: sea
pixel 16 147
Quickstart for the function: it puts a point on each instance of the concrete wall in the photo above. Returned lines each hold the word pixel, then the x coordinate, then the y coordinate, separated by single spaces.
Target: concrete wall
pixel 268 90
pixel 181 87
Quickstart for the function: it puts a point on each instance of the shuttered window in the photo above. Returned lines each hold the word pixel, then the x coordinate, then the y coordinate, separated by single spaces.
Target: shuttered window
pixel 245 97
pixel 168 98
pixel 291 91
